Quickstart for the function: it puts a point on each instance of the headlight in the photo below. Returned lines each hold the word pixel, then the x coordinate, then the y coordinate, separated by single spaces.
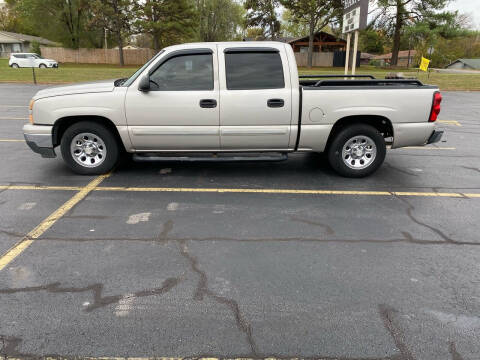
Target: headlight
pixel 30 111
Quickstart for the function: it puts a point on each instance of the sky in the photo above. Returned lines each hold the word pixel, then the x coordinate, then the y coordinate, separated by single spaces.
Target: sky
pixel 471 7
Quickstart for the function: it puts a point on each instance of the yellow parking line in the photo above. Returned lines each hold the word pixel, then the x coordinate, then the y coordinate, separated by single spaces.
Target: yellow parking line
pixel 429 148
pixel 245 191
pixel 12 140
pixel 28 240
pixel 40 187
pixel 450 122
pixel 13 118
pixel 255 191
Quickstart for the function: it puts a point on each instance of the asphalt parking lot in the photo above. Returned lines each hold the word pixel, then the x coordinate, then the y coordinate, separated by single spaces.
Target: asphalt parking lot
pixel 253 260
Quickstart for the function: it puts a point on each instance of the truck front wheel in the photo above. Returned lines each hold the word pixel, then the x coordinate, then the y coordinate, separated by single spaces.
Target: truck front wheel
pixel 357 151
pixel 89 148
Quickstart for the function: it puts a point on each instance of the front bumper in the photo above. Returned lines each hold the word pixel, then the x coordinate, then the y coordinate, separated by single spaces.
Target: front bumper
pixel 39 139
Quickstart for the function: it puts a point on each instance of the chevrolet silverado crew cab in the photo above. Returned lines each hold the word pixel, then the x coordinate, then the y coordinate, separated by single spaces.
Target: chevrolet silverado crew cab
pixel 231 101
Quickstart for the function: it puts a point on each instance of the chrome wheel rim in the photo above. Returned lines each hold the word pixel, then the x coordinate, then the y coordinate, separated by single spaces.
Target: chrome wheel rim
pixel 359 152
pixel 88 150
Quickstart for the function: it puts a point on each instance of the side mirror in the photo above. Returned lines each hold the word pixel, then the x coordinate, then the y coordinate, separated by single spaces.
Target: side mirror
pixel 144 84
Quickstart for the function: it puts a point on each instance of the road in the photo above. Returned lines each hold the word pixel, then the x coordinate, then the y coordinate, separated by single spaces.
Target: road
pixel 251 260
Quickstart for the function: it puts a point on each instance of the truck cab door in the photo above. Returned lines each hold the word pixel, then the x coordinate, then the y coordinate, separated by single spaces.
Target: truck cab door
pixel 180 112
pixel 255 98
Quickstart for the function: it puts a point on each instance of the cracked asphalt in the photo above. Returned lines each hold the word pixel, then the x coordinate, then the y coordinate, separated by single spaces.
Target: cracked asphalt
pixel 252 275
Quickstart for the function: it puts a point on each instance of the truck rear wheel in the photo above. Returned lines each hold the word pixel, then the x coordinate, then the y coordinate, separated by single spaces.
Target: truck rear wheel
pixel 357 151
pixel 89 148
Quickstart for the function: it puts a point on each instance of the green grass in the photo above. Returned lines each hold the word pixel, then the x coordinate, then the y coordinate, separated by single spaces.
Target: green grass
pixel 66 73
pixel 70 73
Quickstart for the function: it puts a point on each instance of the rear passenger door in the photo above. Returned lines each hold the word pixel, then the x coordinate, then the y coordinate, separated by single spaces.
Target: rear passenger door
pixel 255 98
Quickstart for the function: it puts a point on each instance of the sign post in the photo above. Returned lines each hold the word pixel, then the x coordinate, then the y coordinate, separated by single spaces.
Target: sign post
pixel 347 54
pixel 355 14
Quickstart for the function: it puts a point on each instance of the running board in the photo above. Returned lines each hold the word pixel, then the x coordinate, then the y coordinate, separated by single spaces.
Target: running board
pixel 223 157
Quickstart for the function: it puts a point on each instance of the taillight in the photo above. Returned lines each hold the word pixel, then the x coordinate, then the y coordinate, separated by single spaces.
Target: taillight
pixel 437 100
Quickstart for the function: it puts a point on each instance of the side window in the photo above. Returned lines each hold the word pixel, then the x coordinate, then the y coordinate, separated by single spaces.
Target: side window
pixel 184 73
pixel 254 70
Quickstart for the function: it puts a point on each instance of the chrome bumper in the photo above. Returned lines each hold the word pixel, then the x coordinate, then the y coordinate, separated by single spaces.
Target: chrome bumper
pixel 39 139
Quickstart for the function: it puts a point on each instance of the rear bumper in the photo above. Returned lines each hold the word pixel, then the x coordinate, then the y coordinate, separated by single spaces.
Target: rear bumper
pixel 39 139
pixel 412 134
pixel 435 137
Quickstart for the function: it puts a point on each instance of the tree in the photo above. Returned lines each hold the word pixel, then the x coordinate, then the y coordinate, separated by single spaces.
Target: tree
pixel 263 14
pixel 372 41
pixel 292 26
pixel 397 14
pixel 316 13
pixel 67 21
pixel 166 21
pixel 114 16
pixel 219 20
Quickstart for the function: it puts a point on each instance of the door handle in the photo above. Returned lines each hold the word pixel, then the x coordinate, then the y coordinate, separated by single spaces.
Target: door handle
pixel 276 103
pixel 208 103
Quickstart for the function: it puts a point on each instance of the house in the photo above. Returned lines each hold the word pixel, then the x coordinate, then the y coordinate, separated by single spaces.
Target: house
pixel 365 58
pixel 322 42
pixel 464 64
pixel 405 58
pixel 325 45
pixel 13 42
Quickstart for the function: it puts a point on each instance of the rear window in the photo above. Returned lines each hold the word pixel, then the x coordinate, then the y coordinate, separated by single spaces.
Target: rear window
pixel 254 70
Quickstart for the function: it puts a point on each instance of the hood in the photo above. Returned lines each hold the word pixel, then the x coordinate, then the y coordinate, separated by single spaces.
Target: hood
pixel 82 88
pixel 50 60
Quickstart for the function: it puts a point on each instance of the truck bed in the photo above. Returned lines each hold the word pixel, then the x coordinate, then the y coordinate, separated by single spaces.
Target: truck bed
pixel 356 81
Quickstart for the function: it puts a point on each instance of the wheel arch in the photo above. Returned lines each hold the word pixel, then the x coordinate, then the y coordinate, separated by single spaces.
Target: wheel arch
pixel 381 123
pixel 62 124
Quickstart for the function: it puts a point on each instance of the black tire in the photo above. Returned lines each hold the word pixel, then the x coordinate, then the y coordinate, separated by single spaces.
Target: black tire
pixel 111 145
pixel 335 151
pixel 42 66
pixel 15 66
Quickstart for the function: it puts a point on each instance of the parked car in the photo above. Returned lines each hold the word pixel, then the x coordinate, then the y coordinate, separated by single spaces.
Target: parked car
pixel 229 98
pixel 22 60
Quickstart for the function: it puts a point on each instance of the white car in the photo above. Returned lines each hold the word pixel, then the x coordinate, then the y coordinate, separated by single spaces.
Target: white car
pixel 28 60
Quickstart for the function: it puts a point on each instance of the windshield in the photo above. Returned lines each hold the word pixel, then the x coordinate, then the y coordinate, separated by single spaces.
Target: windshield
pixel 37 56
pixel 132 78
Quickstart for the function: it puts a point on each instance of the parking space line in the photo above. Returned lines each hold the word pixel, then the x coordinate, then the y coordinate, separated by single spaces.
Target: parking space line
pixel 428 148
pixel 450 122
pixel 245 191
pixel 28 240
pixel 13 118
pixel 12 140
pixel 285 191
pixel 40 187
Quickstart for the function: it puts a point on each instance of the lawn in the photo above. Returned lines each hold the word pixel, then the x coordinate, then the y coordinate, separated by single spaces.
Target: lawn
pixel 69 73
pixel 66 73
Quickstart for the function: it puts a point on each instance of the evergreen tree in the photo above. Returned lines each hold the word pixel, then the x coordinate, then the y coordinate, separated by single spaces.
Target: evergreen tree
pixel 397 14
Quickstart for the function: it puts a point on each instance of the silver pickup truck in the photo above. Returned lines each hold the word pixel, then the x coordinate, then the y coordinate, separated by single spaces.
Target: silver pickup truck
pixel 231 101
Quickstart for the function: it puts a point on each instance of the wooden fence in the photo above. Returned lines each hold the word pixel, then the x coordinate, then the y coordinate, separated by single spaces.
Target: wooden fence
pixel 97 56
pixel 319 59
